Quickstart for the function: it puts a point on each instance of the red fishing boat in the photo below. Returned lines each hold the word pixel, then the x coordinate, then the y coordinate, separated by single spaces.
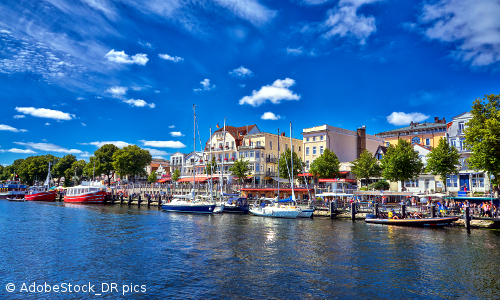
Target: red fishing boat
pixel 93 192
pixel 41 193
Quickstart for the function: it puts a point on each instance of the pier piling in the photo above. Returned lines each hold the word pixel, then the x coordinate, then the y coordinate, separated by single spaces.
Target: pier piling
pixel 129 200
pixel 113 199
pixel 433 211
pixel 149 200
pixel 403 211
pixel 375 209
pixel 159 202
pixel 467 218
pixel 332 209
pixel 353 211
pixel 121 199
pixel 139 201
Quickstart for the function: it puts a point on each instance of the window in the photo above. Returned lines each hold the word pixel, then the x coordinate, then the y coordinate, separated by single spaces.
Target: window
pixel 387 144
pixel 299 148
pixel 461 127
pixel 307 150
pixel 478 180
pixel 415 140
pixel 314 139
pixel 314 150
pixel 307 164
pixel 452 181
pixel 232 145
pixel 428 142
pixel 251 153
pixel 320 149
pixel 257 168
pixel 462 140
pixel 307 139
pixel 246 153
pixel 271 145
pixel 321 137
pixel 411 183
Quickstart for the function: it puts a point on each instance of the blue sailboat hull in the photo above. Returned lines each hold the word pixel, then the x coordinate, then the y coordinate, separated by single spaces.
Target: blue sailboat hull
pixel 196 208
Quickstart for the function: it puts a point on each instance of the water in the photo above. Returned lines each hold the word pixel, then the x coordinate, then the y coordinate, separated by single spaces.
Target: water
pixel 181 256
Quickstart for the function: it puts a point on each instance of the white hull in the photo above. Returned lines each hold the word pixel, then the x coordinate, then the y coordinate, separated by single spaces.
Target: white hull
pixel 275 212
pixel 305 213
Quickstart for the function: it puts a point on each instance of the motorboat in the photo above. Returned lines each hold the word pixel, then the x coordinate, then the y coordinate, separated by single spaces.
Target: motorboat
pixel 188 204
pixel 234 204
pixel 424 222
pixel 87 192
pixel 273 210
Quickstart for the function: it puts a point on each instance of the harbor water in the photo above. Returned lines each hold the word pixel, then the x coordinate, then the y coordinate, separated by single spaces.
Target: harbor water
pixel 149 254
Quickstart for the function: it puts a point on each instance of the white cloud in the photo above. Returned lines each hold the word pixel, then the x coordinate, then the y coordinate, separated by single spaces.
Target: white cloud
pixel 241 85
pixel 343 21
pixel 171 58
pixel 241 72
pixel 176 133
pixel 158 157
pixel 157 92
pixel 401 118
pixel 19 116
pixel 16 150
pixel 86 154
pixel 49 147
pixel 122 58
pixel 45 113
pixel 156 151
pixel 10 128
pixel 118 144
pixel 314 2
pixel 163 144
pixel 275 93
pixel 472 27
pixel 270 116
pixel 250 10
pixel 206 86
pixel 117 91
pixel 83 124
pixel 147 44
pixel 139 103
pixel 47 124
pixel 171 126
pixel 295 51
pixel 80 98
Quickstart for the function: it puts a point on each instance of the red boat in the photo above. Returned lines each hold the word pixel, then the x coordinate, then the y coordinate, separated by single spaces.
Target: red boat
pixel 85 193
pixel 40 194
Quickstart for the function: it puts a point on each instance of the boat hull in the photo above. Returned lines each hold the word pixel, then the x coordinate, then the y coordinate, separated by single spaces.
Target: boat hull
pixel 306 213
pixel 426 222
pixel 189 208
pixel 275 213
pixel 235 209
pixel 43 196
pixel 86 198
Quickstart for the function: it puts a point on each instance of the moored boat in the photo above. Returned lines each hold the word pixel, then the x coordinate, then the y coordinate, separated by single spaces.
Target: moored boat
pixel 235 204
pixel 424 222
pixel 41 193
pixel 186 204
pixel 12 190
pixel 93 192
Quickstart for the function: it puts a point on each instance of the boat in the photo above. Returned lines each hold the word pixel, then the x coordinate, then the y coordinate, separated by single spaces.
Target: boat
pixel 235 204
pixel 87 192
pixel 41 193
pixel 424 222
pixel 273 210
pixel 12 190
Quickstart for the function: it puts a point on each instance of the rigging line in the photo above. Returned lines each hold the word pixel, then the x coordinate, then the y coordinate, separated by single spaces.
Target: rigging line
pixel 204 161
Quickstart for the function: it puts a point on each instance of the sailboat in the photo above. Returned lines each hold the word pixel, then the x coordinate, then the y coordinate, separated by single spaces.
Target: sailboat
pixel 189 203
pixel 41 193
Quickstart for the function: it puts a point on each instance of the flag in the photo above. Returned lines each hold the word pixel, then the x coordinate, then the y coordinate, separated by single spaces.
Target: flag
pixel 218 125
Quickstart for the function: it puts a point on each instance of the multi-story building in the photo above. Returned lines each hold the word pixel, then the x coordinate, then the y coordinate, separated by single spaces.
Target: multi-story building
pixel 471 180
pixel 426 134
pixel 346 144
pixel 161 166
pixel 177 161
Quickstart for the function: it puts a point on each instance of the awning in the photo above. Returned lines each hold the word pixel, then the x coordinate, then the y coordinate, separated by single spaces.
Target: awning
pixel 280 179
pixel 344 172
pixel 163 180
pixel 335 180
pixel 198 178
pixel 305 174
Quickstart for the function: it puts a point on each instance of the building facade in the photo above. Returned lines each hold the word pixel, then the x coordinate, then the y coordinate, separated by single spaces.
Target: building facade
pixel 425 134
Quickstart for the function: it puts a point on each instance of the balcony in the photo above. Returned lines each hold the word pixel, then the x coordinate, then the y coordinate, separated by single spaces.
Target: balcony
pixel 270 173
pixel 271 160
pixel 242 148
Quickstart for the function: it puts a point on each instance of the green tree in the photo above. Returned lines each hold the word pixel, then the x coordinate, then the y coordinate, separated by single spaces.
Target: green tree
pixel 211 167
pixel 240 169
pixel 104 160
pixel 443 160
pixel 64 163
pixel 366 166
pixel 482 136
pixel 88 170
pixel 35 168
pixel 327 165
pixel 380 185
pixel 285 164
pixel 401 162
pixel 152 177
pixel 131 161
pixel 176 175
pixel 75 173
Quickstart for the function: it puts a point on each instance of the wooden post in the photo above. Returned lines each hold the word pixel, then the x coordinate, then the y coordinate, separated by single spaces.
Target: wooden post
pixel 139 201
pixel 467 218
pixel 353 211
pixel 433 211
pixel 113 199
pixel 332 210
pixel 121 199
pixel 149 200
pixel 159 202
pixel 375 209
pixel 129 199
pixel 403 211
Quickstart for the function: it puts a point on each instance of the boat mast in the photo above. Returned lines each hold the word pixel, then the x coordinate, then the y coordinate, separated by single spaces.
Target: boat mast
pixel 223 157
pixel 194 149
pixel 211 168
pixel 278 165
pixel 291 159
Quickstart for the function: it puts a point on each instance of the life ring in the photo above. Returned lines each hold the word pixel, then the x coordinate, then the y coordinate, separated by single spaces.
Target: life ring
pixel 395 217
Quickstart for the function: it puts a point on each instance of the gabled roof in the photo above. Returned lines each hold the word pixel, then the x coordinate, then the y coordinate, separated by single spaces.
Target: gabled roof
pixel 382 149
pixel 421 126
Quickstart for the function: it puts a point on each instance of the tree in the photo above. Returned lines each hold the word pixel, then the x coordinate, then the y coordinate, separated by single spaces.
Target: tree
pixel 443 160
pixel 380 185
pixel 59 169
pixel 482 136
pixel 35 168
pixel 401 162
pixel 366 166
pixel 131 161
pixel 104 160
pixel 88 170
pixel 152 177
pixel 75 172
pixel 285 164
pixel 176 175
pixel 327 165
pixel 211 167
pixel 240 169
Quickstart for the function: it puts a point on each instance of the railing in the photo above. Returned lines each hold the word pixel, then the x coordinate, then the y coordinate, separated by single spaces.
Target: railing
pixel 240 148
pixel 271 160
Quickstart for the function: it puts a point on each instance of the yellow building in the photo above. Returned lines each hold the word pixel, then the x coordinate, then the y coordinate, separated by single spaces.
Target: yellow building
pixel 425 134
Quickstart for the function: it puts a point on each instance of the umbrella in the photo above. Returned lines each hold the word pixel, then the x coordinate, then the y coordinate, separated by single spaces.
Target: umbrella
pixel 423 200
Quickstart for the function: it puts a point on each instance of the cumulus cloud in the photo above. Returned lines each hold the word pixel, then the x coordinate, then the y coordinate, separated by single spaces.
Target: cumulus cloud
pixel 205 86
pixel 401 118
pixel 163 144
pixel 343 21
pixel 122 58
pixel 156 151
pixel 241 72
pixel 98 144
pixel 49 147
pixel 250 10
pixel 171 58
pixel 16 150
pixel 47 124
pixel 295 51
pixel 139 103
pixel 275 93
pixel 270 116
pixel 45 113
pixel 80 98
pixel 171 126
pixel 117 91
pixel 176 133
pixel 241 85
pixel 19 116
pixel 157 92
pixel 83 124
pixel 472 27
pixel 10 128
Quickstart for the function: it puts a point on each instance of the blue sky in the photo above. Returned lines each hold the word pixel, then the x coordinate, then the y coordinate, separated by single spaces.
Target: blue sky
pixel 75 74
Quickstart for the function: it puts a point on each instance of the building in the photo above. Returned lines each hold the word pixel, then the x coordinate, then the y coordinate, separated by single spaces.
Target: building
pixel 177 161
pixel 472 180
pixel 161 166
pixel 346 144
pixel 426 134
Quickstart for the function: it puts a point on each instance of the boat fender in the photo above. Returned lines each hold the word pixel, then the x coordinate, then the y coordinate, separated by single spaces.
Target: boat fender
pixel 395 217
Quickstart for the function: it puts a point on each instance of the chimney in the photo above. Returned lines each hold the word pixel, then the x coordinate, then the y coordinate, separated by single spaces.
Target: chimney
pixel 361 140
pixel 443 121
pixel 411 124
pixel 283 134
pixel 436 120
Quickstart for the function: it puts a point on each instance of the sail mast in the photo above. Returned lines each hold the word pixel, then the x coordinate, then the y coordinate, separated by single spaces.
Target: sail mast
pixel 194 148
pixel 222 171
pixel 291 159
pixel 211 167
pixel 278 165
